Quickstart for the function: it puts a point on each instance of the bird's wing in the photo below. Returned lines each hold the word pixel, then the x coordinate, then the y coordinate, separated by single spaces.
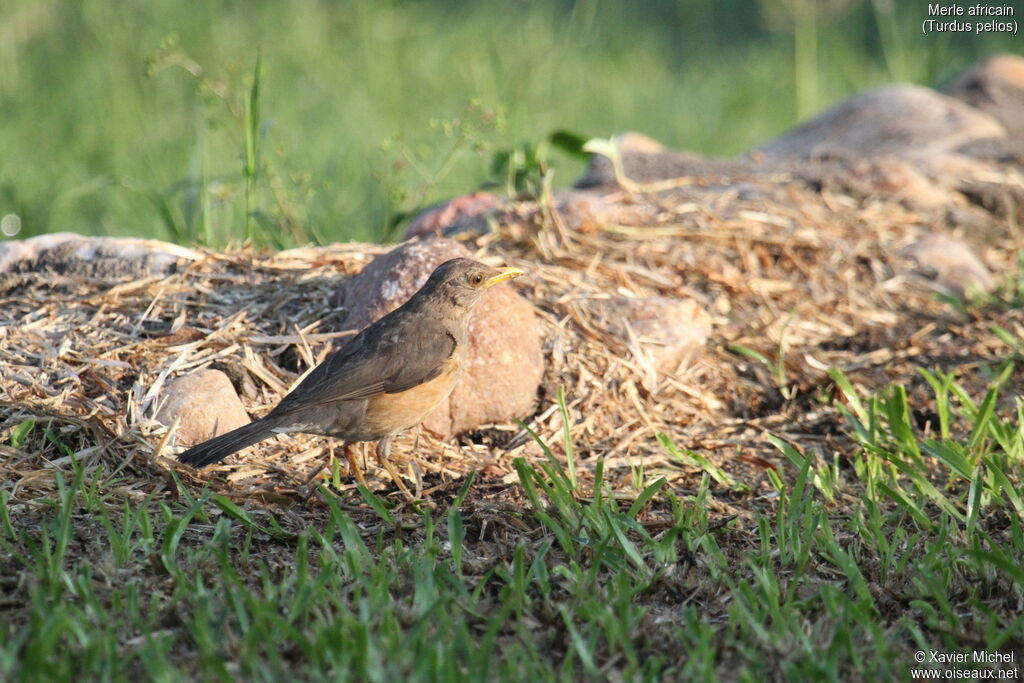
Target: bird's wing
pixel 382 359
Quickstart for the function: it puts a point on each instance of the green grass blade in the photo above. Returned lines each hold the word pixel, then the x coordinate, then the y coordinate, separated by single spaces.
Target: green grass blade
pixel 627 546
pixel 460 497
pixel 237 513
pixel 646 495
pixel 570 459
pixel 456 538
pixel 692 459
pixel 851 395
pixel 379 505
pixel 1006 487
pixel 974 498
pixel 252 130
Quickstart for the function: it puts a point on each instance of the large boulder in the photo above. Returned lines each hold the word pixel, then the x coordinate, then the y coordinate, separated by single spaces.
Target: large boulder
pixel 505 361
pixel 996 87
pixel 66 253
pixel 906 121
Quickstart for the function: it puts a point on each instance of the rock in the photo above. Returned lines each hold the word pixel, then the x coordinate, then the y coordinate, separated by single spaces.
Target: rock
pixel 906 121
pixel 1009 151
pixel 950 263
pixel 468 213
pixel 580 209
pixel 886 178
pixel 1004 201
pixel 504 368
pixel 583 209
pixel 505 361
pixel 206 403
pixel 901 181
pixel 996 87
pixel 670 332
pixel 391 278
pixel 66 253
pixel 647 161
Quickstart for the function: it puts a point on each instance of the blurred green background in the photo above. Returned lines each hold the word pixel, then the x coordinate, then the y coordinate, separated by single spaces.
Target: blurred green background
pixel 126 117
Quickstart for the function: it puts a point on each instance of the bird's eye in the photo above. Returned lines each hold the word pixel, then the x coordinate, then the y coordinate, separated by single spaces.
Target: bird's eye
pixel 477 279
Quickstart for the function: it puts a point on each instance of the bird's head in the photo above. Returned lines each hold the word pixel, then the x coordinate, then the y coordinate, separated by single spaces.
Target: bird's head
pixel 462 281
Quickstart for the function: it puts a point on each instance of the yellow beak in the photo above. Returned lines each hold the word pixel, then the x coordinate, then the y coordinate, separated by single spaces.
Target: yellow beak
pixel 503 274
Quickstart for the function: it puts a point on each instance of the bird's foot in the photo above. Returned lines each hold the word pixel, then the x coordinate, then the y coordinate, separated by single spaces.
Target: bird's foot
pixel 384 459
pixel 395 477
pixel 353 466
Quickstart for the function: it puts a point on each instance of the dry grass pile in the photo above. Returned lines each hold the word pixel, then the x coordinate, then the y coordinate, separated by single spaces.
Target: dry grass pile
pixel 811 283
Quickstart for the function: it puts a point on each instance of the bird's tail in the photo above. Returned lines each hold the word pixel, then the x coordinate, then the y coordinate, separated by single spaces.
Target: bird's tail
pixel 220 447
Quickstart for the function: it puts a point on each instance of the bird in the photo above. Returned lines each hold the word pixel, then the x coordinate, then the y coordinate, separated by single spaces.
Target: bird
pixel 385 380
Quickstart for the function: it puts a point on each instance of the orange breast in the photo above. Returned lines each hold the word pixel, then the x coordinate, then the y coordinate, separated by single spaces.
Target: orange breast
pixel 390 413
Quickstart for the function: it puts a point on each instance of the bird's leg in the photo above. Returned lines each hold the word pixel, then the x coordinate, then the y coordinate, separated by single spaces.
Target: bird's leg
pixel 315 473
pixel 353 466
pixel 318 470
pixel 307 490
pixel 383 455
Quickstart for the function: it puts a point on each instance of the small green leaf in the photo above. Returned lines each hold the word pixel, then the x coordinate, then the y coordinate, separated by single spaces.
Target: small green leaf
pixel 750 353
pixel 569 142
pixel 21 432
